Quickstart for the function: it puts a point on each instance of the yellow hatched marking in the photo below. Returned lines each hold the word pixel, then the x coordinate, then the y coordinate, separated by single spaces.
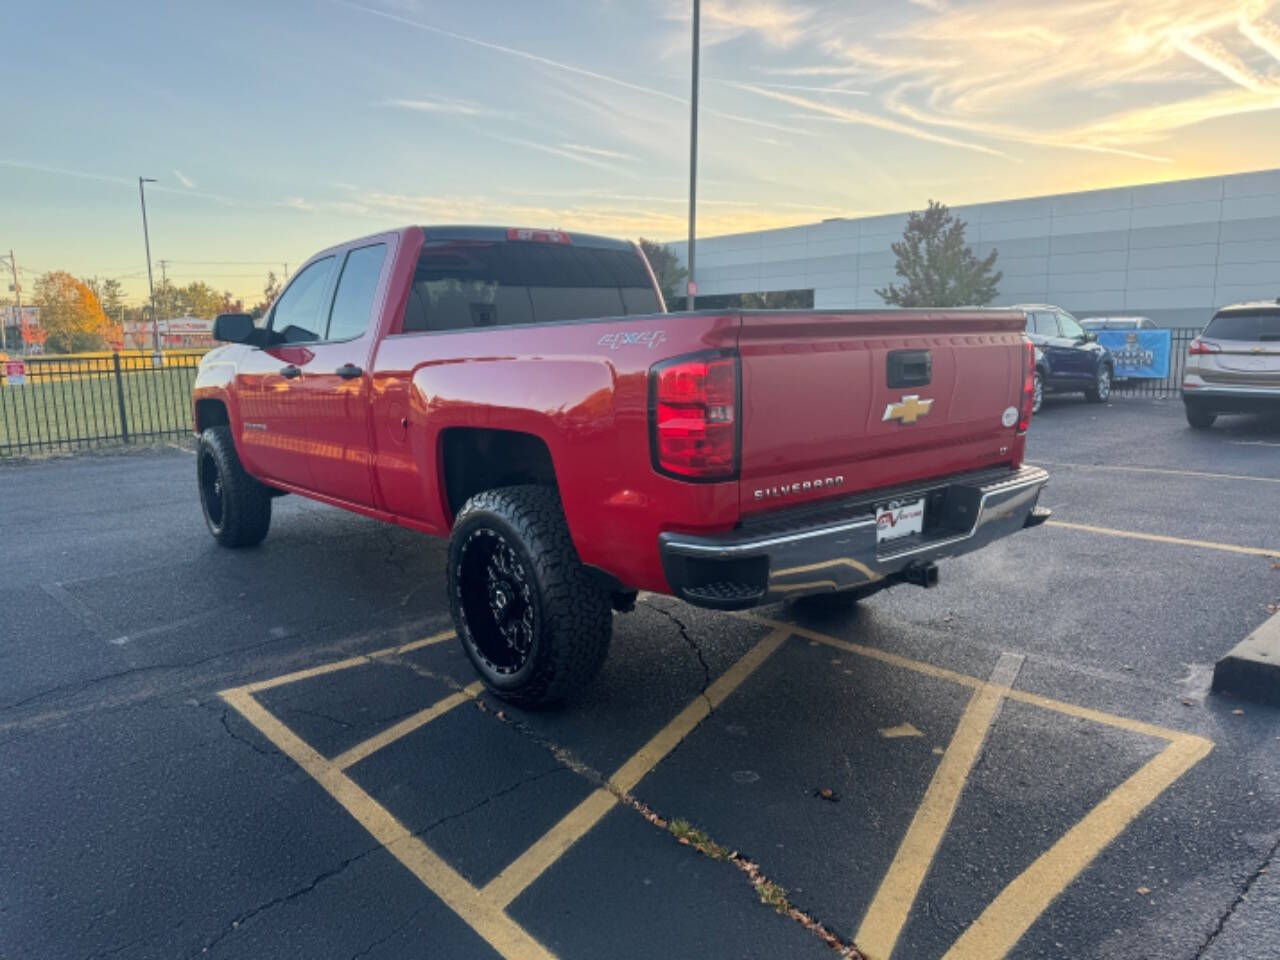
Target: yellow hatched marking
pixel 1160 538
pixel 406 726
pixel 1019 905
pixel 489 921
pixel 535 861
pixel 347 664
pixel 887 915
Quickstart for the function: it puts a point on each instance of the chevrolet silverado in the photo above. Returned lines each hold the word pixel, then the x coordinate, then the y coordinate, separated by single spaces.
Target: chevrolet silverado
pixel 525 394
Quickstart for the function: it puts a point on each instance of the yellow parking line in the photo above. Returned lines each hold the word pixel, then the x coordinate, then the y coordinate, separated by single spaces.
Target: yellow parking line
pixel 1160 538
pixel 535 861
pixel 405 726
pixel 884 919
pixel 1001 925
pixel 1158 470
pixel 871 653
pixel 501 932
pixel 347 663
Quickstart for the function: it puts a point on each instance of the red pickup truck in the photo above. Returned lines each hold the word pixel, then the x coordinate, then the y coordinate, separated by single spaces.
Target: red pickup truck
pixel 525 394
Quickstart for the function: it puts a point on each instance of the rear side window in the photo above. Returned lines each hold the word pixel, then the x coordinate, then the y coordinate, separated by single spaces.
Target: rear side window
pixel 353 301
pixel 466 284
pixel 1245 325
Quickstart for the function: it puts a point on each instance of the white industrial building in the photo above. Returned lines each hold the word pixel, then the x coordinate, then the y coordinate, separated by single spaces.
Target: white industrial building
pixel 1170 251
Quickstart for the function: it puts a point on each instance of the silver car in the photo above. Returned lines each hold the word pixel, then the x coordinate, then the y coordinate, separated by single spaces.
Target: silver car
pixel 1234 365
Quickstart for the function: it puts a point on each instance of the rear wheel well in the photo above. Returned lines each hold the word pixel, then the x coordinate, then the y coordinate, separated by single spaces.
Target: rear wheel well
pixel 477 459
pixel 211 413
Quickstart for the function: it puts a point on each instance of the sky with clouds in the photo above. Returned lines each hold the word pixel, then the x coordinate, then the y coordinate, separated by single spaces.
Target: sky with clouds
pixel 277 128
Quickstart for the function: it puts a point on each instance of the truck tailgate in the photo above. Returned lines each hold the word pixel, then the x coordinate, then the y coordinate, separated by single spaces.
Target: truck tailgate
pixel 821 419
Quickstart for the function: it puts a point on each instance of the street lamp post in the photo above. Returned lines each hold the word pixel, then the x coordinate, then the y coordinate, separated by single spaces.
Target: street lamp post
pixel 693 158
pixel 157 358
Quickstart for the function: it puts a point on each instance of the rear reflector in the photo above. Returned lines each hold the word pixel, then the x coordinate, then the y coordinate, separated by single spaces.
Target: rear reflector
pixel 1199 347
pixel 1028 386
pixel 693 404
pixel 525 235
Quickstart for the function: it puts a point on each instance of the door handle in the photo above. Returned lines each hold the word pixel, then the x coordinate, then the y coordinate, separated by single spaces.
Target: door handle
pixel 291 371
pixel 349 371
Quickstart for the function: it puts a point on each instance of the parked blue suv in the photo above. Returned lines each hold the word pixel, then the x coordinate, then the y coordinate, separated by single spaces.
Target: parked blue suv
pixel 1069 358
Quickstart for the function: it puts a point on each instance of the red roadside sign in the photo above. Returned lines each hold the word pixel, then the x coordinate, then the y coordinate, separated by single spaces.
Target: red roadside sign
pixel 15 373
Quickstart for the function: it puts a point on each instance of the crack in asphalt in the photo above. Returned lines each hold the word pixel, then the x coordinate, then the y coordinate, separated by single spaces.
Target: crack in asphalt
pixel 239 921
pixel 365 951
pixel 692 644
pixel 223 719
pixel 1240 898
pixel 242 918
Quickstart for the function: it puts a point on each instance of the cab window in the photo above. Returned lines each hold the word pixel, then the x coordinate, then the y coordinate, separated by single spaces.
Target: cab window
pixel 353 300
pixel 1070 328
pixel 297 316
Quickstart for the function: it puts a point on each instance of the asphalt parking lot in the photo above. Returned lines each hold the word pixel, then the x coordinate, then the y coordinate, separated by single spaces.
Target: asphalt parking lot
pixel 282 752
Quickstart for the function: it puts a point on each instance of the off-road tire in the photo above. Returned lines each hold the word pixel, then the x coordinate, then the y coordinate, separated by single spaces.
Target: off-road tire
pixel 1198 417
pixel 237 508
pixel 571 610
pixel 1100 392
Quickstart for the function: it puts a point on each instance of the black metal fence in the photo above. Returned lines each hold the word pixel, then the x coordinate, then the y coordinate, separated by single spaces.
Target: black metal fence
pixel 1170 386
pixel 72 402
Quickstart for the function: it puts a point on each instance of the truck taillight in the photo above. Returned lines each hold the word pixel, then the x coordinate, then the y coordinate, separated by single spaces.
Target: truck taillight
pixel 1199 347
pixel 1028 386
pixel 693 416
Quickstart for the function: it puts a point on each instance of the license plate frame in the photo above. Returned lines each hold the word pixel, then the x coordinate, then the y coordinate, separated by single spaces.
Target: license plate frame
pixel 897 519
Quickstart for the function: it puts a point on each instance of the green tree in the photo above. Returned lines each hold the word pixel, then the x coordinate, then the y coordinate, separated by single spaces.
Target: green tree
pixel 270 291
pixel 938 267
pixel 71 314
pixel 110 294
pixel 666 269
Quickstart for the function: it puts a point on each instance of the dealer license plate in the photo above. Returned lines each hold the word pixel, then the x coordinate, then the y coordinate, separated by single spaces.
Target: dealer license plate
pixel 899 520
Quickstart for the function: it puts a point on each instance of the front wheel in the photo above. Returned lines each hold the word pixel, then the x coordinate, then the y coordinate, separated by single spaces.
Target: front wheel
pixel 1037 393
pixel 237 508
pixel 533 620
pixel 1100 392
pixel 1199 418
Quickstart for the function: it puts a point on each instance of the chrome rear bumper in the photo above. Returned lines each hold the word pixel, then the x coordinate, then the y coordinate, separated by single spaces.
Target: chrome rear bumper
pixel 836 548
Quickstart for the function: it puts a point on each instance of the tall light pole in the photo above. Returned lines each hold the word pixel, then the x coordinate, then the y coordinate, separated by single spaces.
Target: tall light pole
pixel 157 358
pixel 693 158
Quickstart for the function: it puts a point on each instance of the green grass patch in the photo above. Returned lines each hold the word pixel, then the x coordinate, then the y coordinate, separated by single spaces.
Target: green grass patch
pixel 80 405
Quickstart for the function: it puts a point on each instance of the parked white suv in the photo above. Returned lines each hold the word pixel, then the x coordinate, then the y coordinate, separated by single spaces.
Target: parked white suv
pixel 1234 365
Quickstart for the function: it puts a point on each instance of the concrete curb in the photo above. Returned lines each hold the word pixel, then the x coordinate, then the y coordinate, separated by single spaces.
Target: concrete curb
pixel 1252 669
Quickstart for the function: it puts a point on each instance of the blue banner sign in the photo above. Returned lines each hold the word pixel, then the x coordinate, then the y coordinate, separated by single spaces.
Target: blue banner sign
pixel 1139 354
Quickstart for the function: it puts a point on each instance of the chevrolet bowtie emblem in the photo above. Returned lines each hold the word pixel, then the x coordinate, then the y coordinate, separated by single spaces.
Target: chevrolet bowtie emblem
pixel 911 409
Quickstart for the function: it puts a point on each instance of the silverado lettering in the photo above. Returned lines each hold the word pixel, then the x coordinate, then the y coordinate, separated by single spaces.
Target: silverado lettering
pixel 436 378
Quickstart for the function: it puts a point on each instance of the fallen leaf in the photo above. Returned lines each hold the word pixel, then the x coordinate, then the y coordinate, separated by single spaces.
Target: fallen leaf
pixel 826 793
pixel 502 715
pixel 1144 890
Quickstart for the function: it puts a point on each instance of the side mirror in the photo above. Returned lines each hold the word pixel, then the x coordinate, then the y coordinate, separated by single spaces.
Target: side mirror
pixel 233 328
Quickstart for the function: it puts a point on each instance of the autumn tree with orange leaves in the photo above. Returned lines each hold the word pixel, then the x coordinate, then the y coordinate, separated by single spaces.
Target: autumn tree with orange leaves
pixel 72 315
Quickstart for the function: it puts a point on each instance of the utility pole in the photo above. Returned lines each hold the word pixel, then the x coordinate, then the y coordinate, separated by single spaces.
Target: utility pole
pixel 286 272
pixel 157 358
pixel 17 295
pixel 693 158
pixel 165 297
